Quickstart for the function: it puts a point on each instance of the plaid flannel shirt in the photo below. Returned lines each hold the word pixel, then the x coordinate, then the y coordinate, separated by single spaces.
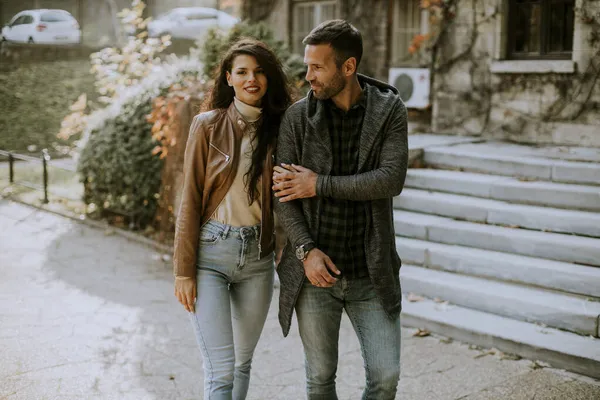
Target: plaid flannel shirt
pixel 342 228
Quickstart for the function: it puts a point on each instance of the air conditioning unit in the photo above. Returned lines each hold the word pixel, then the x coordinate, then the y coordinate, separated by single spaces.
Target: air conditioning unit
pixel 412 85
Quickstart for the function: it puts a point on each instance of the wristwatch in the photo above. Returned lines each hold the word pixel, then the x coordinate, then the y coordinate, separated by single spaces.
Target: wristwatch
pixel 302 251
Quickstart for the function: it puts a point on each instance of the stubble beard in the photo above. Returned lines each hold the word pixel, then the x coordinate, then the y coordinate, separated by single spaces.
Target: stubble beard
pixel 336 85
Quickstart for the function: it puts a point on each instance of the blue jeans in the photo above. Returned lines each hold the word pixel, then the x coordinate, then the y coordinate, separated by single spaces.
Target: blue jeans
pixel 234 293
pixel 319 312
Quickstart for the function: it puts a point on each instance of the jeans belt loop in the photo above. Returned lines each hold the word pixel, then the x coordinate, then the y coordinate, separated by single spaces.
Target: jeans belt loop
pixel 225 232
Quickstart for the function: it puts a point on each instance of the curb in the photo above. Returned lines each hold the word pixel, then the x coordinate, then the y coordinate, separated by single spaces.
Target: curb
pixel 99 225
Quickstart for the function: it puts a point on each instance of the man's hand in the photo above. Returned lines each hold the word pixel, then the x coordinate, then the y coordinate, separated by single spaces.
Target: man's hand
pixel 317 266
pixel 293 182
pixel 185 291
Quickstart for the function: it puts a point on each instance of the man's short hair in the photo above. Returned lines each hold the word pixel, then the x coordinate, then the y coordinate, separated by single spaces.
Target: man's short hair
pixel 344 38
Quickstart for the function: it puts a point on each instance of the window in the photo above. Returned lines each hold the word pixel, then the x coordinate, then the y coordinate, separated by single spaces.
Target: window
pixel 308 15
pixel 409 20
pixel 27 19
pixel 18 21
pixel 23 20
pixel 540 29
pixel 200 16
pixel 55 17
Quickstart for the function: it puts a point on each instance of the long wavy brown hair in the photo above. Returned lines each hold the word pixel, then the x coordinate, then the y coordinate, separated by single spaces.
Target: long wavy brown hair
pixel 276 100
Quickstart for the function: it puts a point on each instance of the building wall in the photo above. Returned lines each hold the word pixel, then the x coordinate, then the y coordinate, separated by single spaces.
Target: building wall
pixel 279 20
pixel 365 15
pixel 477 92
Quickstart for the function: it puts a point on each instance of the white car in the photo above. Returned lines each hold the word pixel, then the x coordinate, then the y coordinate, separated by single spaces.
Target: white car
pixel 42 26
pixel 189 22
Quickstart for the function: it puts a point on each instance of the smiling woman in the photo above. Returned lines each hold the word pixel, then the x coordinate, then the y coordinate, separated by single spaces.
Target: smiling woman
pixel 248 80
pixel 224 242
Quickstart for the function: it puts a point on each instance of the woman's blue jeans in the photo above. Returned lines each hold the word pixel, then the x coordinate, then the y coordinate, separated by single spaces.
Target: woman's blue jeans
pixel 234 293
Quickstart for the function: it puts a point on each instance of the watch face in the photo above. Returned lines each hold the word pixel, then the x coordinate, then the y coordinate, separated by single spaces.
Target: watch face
pixel 300 253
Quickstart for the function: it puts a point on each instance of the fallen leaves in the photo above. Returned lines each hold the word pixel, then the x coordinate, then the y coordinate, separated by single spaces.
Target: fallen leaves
pixel 485 353
pixel 526 179
pixel 495 352
pixel 421 333
pixel 538 365
pixel 414 297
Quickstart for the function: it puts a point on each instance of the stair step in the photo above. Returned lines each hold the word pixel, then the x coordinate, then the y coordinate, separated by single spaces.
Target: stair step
pixel 469 158
pixel 557 275
pixel 519 302
pixel 547 194
pixel 580 354
pixel 499 212
pixel 547 245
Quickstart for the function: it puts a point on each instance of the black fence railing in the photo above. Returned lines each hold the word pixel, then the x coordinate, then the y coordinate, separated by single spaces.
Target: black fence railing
pixel 51 182
pixel 44 159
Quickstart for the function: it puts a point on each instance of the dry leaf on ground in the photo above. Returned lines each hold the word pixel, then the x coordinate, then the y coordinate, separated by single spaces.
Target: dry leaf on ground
pixel 538 365
pixel 414 297
pixel 508 356
pixel 421 333
pixel 489 352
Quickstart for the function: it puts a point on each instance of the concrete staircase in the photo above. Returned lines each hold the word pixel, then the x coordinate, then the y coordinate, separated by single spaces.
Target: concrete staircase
pixel 502 242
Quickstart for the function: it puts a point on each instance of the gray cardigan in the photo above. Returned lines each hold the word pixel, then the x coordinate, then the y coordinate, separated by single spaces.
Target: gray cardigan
pixel 383 156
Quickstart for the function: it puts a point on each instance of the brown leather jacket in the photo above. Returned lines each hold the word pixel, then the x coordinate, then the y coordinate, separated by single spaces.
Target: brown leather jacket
pixel 210 164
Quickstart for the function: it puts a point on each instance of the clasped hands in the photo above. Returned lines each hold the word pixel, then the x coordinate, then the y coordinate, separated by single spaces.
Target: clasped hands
pixel 291 182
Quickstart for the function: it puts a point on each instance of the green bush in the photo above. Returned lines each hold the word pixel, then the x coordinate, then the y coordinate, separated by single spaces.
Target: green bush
pixel 217 43
pixel 118 170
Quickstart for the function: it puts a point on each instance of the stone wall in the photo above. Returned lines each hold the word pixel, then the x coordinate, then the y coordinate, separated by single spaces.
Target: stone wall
pixel 476 92
pixel 363 15
pixel 279 19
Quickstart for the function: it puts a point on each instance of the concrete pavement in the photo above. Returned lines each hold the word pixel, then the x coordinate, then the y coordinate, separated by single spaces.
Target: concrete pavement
pixel 87 314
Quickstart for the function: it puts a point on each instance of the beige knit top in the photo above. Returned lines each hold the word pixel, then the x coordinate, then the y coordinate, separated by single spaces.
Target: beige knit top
pixel 234 209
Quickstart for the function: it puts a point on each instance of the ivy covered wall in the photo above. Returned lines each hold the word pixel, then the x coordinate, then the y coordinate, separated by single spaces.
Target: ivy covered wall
pixel 477 91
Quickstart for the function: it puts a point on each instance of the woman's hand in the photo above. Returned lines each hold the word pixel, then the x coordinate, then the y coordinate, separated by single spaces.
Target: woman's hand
pixel 185 291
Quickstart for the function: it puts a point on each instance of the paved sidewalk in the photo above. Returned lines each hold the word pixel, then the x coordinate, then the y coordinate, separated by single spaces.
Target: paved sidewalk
pixel 87 314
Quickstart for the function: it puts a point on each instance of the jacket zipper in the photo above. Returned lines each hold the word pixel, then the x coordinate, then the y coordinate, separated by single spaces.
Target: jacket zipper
pixel 217 149
pixel 223 199
pixel 261 227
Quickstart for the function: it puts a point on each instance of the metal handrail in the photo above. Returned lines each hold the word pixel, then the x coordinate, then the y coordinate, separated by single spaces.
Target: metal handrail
pixel 44 158
pixel 46 161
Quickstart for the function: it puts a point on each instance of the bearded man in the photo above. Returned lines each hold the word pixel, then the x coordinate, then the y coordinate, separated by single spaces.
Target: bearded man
pixel 341 157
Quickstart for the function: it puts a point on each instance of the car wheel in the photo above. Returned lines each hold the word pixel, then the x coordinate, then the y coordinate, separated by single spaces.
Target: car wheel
pixel 30 40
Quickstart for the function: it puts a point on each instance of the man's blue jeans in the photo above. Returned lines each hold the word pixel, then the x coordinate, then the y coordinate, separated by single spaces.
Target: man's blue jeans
pixel 319 312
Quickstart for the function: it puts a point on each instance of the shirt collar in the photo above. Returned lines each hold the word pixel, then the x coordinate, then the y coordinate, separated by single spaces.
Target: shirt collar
pixel 360 103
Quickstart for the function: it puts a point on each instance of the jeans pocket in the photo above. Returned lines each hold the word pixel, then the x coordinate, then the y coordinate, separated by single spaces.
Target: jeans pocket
pixel 210 235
